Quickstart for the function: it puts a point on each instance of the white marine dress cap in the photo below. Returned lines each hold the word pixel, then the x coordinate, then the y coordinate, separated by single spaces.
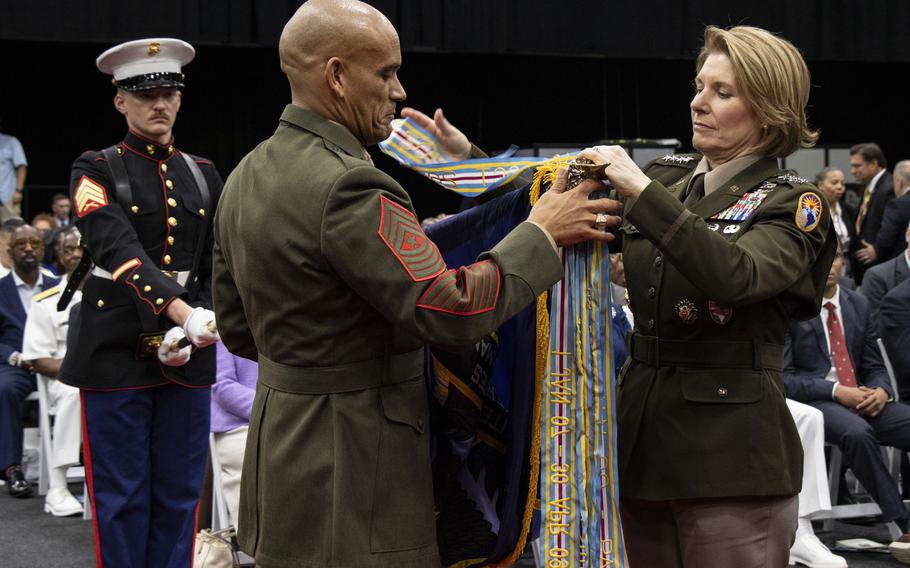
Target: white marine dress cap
pixel 146 63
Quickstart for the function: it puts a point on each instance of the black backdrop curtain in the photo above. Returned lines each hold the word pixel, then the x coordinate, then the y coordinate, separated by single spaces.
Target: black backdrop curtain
pixel 482 61
pixel 832 30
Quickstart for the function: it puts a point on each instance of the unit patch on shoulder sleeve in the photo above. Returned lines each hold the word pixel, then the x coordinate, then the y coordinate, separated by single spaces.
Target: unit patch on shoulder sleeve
pixel 808 211
pixel 401 232
pixel 89 195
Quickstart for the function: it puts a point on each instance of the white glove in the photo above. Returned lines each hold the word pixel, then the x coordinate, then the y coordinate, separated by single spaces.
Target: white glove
pixel 177 357
pixel 200 327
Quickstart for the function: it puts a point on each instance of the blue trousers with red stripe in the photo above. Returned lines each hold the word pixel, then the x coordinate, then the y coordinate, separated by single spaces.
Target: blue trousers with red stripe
pixel 145 455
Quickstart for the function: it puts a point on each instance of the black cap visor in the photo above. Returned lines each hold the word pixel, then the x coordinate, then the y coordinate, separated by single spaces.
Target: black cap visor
pixel 150 81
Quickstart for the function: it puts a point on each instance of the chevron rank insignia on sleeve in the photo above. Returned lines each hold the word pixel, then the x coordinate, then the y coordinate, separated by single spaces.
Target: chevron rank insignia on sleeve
pixel 401 232
pixel 467 291
pixel 89 195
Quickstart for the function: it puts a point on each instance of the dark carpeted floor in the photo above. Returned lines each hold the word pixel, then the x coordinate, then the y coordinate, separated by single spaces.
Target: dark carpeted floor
pixel 30 538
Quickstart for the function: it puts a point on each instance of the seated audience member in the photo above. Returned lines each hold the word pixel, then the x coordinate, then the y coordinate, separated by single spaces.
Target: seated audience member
pixel 6 233
pixel 890 241
pixel 894 326
pixel 832 362
pixel 882 278
pixel 17 289
pixel 62 207
pixel 232 400
pixel 43 346
pixel 44 223
pixel 52 243
pixel 6 261
pixel 814 496
pixel 830 182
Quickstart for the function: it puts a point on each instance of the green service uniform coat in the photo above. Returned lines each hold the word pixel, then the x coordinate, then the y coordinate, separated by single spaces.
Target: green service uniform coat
pixel 701 405
pixel 322 273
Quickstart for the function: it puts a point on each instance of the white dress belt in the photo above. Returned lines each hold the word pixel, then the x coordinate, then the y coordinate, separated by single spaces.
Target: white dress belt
pixel 180 276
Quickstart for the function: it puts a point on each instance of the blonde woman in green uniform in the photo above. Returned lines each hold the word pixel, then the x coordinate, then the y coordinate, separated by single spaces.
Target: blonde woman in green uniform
pixel 722 249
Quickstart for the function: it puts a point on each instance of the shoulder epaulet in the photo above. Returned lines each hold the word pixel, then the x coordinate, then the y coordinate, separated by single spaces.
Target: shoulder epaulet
pixel 688 161
pixel 52 291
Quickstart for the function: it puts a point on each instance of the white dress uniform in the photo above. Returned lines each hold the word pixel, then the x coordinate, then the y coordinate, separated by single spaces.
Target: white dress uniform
pixel 45 337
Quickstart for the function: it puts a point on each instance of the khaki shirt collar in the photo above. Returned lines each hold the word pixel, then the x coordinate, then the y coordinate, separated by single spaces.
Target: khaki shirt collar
pixel 330 130
pixel 719 176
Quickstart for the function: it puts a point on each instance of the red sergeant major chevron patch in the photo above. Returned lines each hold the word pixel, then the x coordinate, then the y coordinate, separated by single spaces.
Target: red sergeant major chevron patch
pixel 400 230
pixel 467 291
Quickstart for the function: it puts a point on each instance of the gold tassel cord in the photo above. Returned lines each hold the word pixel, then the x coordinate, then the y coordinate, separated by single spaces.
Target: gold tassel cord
pixel 546 174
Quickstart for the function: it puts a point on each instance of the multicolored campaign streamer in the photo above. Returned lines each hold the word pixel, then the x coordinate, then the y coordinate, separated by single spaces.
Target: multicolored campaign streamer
pixel 579 485
pixel 415 148
pixel 574 450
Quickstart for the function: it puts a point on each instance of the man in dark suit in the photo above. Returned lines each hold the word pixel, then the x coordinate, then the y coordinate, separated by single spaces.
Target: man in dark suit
pixel 894 326
pixel 868 166
pixel 833 363
pixel 26 248
pixel 890 240
pixel 881 278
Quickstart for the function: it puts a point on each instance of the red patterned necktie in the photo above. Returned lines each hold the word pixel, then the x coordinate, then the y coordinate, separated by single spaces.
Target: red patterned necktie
pixel 839 356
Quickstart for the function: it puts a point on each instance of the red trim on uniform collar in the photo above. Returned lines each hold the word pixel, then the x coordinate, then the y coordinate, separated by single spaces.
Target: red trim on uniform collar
pixel 140 145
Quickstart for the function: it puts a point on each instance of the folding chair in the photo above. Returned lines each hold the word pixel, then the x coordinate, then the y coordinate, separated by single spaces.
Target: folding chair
pixel 45 450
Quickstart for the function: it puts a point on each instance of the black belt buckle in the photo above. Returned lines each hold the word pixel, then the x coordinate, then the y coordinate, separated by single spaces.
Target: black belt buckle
pixel 147 345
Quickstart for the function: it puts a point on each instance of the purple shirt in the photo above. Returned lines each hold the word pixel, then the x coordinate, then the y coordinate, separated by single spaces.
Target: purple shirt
pixel 233 391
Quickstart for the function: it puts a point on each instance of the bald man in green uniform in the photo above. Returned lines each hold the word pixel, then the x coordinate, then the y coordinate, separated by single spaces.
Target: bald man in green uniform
pixel 323 275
